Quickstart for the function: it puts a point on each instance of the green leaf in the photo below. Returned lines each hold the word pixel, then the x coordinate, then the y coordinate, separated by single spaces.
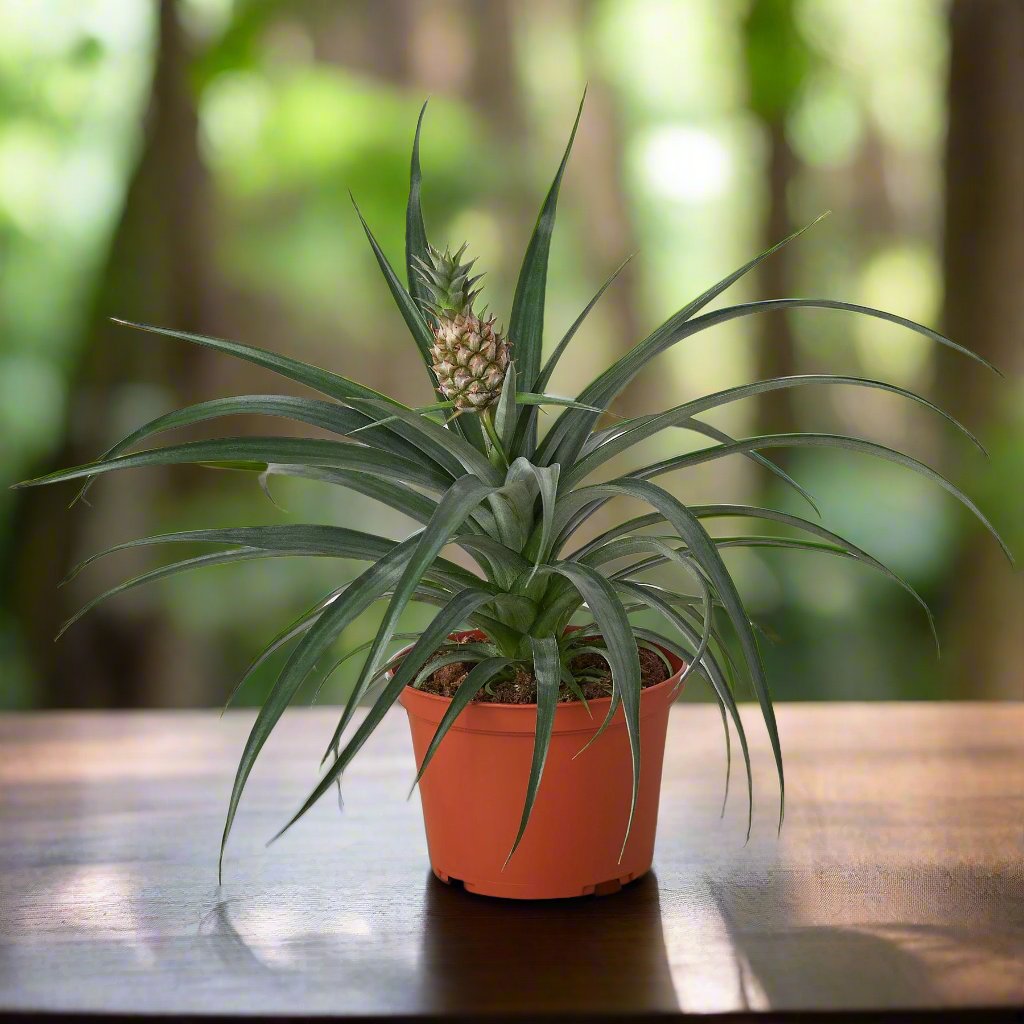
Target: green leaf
pixel 704 551
pixel 296 628
pixel 633 432
pixel 164 571
pixel 324 381
pixel 295 538
pixel 412 316
pixel 496 454
pixel 478 677
pixel 547 669
pixel 506 411
pixel 549 367
pixel 529 398
pixel 392 493
pixel 503 564
pixel 326 415
pixel 566 438
pixel 715 676
pixel 388 666
pixel 526 426
pixel 415 232
pixel 333 540
pixel 707 430
pixel 811 440
pixel 623 658
pixel 283 450
pixel 630 545
pixel 440 441
pixel 360 594
pixel 449 618
pixel 568 526
pixel 452 510
pixel 546 479
pixel 771 515
pixel 526 324
pixel 633 361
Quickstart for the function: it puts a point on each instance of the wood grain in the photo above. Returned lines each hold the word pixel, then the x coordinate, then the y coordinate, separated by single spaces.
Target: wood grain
pixel 897 882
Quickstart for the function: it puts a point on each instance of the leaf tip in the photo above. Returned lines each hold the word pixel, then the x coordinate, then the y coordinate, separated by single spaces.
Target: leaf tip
pixel 277 835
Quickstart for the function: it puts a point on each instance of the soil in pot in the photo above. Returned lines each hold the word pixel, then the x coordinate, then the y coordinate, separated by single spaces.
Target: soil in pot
pixel 522 688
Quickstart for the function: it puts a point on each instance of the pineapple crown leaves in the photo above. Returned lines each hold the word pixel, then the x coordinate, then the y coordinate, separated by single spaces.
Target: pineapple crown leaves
pixel 513 503
pixel 446 279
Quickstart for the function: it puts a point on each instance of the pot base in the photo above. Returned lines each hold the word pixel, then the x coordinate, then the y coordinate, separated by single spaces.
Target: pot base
pixel 513 891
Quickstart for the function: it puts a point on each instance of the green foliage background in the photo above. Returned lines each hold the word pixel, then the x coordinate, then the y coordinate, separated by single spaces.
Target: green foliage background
pixel 293 105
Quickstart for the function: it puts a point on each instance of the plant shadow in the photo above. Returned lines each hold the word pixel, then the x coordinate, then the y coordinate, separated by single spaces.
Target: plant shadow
pixel 788 957
pixel 598 953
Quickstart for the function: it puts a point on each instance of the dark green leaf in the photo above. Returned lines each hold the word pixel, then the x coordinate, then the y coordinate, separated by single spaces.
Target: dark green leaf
pixel 704 551
pixel 452 510
pixel 547 670
pixel 265 450
pixel 623 658
pixel 526 325
pixel 415 232
pixel 810 440
pixel 526 427
pixel 716 677
pixel 359 595
pixel 566 438
pixel 478 677
pixel 506 411
pixel 456 612
pixel 633 432
pixel 199 562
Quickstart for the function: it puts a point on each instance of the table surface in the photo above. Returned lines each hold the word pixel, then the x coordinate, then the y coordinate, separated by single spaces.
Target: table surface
pixel 897 882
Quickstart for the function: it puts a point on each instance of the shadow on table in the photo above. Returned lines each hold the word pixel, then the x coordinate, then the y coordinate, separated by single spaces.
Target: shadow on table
pixel 597 953
pixel 787 957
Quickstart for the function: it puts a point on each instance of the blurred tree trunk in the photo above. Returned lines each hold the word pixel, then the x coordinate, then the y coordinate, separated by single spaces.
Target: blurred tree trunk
pixel 777 61
pixel 157 269
pixel 492 87
pixel 609 236
pixel 371 36
pixel 609 233
pixel 493 82
pixel 984 309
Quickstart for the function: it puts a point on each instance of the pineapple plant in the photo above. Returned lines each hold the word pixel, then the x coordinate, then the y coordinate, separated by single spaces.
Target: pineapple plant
pixel 477 473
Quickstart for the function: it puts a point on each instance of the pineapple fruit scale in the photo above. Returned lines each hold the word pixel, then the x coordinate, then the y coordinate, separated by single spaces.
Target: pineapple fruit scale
pixel 469 356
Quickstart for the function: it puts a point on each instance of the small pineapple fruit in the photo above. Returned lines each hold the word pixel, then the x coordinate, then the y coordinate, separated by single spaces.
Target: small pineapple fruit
pixel 469 357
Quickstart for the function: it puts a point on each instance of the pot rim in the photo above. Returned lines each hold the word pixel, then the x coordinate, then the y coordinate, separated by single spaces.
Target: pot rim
pixel 601 702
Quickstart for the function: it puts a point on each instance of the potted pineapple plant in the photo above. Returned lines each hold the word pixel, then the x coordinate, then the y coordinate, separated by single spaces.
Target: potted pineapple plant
pixel 538 708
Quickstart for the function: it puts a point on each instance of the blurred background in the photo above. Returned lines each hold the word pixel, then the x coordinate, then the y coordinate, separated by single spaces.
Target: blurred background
pixel 187 163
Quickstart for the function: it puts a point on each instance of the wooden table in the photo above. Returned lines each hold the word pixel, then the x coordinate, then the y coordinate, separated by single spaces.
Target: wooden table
pixel 897 883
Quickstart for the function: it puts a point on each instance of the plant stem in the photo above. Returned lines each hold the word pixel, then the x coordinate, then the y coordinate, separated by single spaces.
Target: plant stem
pixel 496 452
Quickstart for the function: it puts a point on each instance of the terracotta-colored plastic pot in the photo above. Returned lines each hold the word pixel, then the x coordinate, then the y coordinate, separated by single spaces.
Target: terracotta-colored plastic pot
pixel 474 787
